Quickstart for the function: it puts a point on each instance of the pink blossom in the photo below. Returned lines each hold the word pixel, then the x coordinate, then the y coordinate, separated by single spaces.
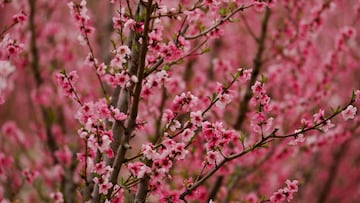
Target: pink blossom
pixel 149 152
pixel 257 88
pixel 6 68
pixel 318 117
pixel 246 74
pixel 349 112
pixel 175 125
pixel 196 118
pixel 57 197
pixel 187 134
pixel 278 196
pixel 30 175
pixel 64 155
pixel 138 169
pixel 224 99
pixel 252 198
pixel 328 125
pixel 213 157
pixel 120 116
pixel 167 115
pixel 292 185
pixel 20 18
pixel 133 25
pixel 104 187
pixel 298 139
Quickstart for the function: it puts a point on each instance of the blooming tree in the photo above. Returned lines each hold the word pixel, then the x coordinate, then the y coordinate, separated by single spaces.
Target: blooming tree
pixel 179 101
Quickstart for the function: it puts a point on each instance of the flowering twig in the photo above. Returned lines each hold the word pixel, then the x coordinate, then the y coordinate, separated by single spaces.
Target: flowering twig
pixel 92 56
pixel 264 140
pixel 256 70
pixel 6 29
pixel 221 21
pixel 122 149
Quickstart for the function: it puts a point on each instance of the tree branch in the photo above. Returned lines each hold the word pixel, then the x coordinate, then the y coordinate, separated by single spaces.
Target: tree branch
pixel 221 21
pixel 244 104
pixel 258 144
pixel 338 155
pixel 120 155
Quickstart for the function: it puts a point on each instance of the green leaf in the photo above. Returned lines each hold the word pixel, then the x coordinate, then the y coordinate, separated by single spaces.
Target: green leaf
pixel 166 67
pixel 263 78
pixel 206 50
pixel 223 11
pixel 113 43
pixel 214 96
pixel 179 8
pixel 353 97
pixel 242 138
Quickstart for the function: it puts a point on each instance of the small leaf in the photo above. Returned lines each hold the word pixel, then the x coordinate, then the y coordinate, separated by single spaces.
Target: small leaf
pixel 214 96
pixel 263 78
pixel 206 50
pixel 223 11
pixel 353 97
pixel 166 67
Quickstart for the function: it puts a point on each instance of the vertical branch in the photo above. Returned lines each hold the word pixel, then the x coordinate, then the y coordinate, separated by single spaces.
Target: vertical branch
pixel 338 155
pixel 67 185
pixel 124 145
pixel 243 109
pixel 216 46
pixel 45 112
pixel 241 174
pixel 121 96
pixel 308 176
pixel 215 189
pixel 234 180
pixel 33 46
pixel 121 99
pixel 144 182
pixel 244 104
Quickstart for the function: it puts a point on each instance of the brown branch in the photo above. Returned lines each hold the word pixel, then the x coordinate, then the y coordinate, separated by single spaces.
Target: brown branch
pixel 144 182
pixel 92 55
pixel 46 114
pixel 258 144
pixel 224 161
pixel 244 104
pixel 221 21
pixel 215 189
pixel 316 126
pixel 238 176
pixel 154 67
pixel 225 89
pixel 121 152
pixel 338 155
pixel 210 73
pixel 67 183
pixel 121 99
pixel 6 29
pixel 248 28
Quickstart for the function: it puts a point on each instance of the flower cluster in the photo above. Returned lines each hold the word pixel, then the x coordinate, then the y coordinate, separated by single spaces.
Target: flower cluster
pixel 184 102
pixel 259 121
pixel 286 193
pixel 102 179
pixel 66 82
pixel 82 19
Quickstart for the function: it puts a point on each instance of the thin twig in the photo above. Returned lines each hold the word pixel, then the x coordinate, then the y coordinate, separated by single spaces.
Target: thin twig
pixel 221 21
